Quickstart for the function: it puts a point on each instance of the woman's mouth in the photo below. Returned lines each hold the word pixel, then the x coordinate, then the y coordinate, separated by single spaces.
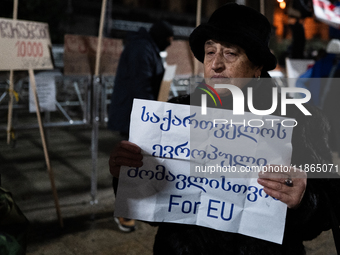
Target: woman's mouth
pixel 218 77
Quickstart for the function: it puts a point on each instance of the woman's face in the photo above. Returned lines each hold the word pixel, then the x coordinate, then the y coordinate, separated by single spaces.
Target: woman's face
pixel 226 63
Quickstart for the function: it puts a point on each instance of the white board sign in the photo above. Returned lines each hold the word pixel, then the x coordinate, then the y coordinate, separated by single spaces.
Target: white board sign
pixel 46 91
pixel 24 45
pixel 173 185
pixel 170 71
pixel 296 67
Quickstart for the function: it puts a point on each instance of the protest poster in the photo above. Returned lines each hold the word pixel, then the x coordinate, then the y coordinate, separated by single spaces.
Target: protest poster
pixel 185 177
pixel 327 12
pixel 80 55
pixel 46 91
pixel 24 45
pixel 179 54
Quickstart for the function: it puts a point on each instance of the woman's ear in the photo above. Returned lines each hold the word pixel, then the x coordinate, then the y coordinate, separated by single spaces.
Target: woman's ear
pixel 258 71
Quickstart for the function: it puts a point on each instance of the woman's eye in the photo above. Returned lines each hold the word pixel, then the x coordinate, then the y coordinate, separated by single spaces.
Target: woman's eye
pixel 230 54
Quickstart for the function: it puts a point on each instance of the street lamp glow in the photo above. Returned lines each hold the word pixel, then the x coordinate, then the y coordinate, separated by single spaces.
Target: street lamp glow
pixel 282 5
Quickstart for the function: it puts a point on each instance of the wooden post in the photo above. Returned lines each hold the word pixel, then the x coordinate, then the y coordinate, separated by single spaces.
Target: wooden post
pixel 198 12
pixel 262 7
pixel 15 9
pixel 198 22
pixel 100 36
pixel 10 107
pixel 42 134
pixel 11 85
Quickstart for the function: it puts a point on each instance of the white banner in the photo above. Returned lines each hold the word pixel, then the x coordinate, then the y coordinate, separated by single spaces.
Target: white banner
pixel 24 45
pixel 327 12
pixel 201 174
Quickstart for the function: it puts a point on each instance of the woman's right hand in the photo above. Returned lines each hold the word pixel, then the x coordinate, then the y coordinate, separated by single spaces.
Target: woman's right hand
pixel 125 154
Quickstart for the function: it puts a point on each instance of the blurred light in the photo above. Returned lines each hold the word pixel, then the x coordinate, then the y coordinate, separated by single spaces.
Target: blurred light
pixel 282 5
pixel 163 54
pixel 280 1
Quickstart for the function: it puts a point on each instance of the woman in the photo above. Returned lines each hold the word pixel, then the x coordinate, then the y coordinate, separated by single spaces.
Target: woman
pixel 234 45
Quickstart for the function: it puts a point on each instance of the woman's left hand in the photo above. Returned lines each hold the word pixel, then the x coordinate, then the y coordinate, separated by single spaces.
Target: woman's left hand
pixel 287 184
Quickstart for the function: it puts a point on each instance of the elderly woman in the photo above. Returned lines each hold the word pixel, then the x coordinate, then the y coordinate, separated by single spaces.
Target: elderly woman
pixel 234 45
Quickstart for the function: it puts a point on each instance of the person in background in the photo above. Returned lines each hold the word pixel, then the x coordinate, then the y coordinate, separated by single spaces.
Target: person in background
pixel 322 80
pixel 139 75
pixel 232 45
pixel 297 48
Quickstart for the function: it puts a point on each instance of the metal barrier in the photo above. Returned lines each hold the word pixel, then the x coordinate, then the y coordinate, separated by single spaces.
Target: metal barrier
pixel 73 102
pixel 80 101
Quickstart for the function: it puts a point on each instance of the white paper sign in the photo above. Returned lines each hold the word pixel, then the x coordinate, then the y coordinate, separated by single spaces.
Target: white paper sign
pixel 46 91
pixel 185 177
pixel 170 72
pixel 296 67
pixel 24 45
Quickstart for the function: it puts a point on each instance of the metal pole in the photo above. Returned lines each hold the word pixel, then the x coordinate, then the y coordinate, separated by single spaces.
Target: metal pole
pixel 95 109
pixel 103 92
pixel 94 137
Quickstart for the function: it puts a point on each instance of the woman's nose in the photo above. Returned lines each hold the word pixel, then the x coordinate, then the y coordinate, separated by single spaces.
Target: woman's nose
pixel 218 63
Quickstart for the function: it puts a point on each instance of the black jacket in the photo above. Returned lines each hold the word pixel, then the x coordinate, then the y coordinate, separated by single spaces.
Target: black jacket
pixel 139 75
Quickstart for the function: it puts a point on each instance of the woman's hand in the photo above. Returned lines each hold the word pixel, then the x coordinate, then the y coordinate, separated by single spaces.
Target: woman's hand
pixel 287 184
pixel 125 154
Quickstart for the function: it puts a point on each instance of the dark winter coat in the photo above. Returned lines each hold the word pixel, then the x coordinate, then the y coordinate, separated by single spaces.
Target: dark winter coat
pixel 310 146
pixel 139 75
